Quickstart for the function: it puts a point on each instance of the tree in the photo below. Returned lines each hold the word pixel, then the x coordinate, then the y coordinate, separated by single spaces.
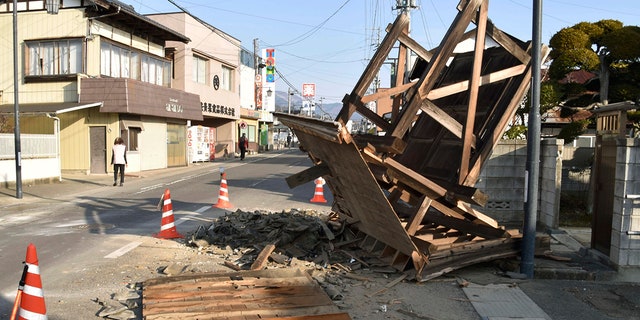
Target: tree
pixel 550 96
pixel 602 47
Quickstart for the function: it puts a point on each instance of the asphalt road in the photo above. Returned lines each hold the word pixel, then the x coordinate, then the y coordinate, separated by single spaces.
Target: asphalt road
pixel 94 240
pixel 84 223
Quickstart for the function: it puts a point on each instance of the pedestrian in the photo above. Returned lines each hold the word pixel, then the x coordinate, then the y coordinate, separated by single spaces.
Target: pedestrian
pixel 244 144
pixel 289 140
pixel 119 160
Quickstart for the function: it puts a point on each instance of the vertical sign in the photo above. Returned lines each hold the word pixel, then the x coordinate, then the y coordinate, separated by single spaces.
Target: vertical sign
pixel 270 62
pixel 258 86
pixel 269 77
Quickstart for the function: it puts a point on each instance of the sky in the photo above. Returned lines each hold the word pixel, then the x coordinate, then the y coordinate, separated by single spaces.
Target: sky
pixel 328 43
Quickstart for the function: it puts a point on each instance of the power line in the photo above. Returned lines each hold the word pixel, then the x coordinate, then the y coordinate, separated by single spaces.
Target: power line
pixel 313 30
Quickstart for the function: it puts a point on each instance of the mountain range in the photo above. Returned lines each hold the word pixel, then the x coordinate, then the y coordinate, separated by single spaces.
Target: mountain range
pixel 296 104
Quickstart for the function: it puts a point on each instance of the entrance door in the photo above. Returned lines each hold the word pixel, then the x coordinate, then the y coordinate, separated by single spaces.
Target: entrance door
pixel 176 145
pixel 98 153
pixel 605 173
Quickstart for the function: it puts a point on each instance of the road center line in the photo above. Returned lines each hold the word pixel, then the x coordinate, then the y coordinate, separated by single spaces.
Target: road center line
pixel 123 250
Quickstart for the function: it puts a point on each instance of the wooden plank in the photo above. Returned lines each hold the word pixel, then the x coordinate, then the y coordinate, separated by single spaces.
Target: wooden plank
pixel 387 93
pixel 246 294
pixel 462 86
pixel 444 119
pixel 381 143
pixel 423 53
pixel 307 175
pixel 263 257
pixel 399 26
pixel 416 219
pixel 507 43
pixel 496 135
pixel 362 109
pixel 413 179
pixel 474 88
pixel 464 225
pixel 438 63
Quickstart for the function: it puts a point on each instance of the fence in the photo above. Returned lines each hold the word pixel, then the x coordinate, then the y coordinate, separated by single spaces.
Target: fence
pixel 32 146
pixel 39 157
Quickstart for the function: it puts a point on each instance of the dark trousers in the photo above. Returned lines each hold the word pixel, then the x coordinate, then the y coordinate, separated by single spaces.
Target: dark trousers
pixel 242 152
pixel 116 168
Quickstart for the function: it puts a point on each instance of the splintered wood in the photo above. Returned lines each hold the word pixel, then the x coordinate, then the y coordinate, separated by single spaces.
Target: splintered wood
pixel 267 294
pixel 409 188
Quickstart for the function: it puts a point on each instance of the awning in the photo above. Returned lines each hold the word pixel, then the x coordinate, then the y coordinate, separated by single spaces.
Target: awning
pixel 126 124
pixel 47 108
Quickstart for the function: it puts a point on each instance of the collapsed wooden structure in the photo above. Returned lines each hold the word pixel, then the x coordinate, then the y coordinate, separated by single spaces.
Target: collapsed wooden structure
pixel 409 191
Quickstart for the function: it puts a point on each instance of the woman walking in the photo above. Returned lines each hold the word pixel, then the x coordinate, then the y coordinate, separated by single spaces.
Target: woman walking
pixel 119 160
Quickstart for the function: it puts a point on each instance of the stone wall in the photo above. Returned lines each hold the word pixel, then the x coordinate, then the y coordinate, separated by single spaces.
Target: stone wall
pixel 625 233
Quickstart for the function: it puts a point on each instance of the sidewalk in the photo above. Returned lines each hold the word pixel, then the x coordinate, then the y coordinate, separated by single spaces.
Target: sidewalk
pixel 76 183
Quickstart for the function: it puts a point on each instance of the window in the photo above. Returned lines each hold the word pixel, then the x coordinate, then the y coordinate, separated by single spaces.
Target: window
pixel 199 70
pixel 130 137
pixel 56 57
pixel 251 133
pixel 226 80
pixel 119 62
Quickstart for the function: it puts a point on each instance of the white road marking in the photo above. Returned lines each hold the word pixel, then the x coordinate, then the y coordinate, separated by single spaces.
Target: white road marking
pixel 188 216
pixel 203 209
pixel 257 183
pixel 123 250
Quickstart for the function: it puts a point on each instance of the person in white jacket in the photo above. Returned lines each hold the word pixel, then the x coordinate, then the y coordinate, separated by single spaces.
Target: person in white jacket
pixel 119 160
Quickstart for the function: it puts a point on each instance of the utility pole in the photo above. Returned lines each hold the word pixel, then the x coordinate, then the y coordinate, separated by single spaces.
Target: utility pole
pixel 16 105
pixel 406 6
pixel 256 57
pixel 533 149
pixel 289 99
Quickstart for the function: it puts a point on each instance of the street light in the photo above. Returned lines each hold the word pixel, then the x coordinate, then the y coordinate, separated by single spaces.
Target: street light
pixel 52 8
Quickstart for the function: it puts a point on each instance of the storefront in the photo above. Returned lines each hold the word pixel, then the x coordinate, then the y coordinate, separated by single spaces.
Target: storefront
pixel 152 119
pixel 249 125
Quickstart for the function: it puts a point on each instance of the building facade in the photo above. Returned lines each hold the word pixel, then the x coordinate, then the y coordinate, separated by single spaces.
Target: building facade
pixel 95 71
pixel 211 68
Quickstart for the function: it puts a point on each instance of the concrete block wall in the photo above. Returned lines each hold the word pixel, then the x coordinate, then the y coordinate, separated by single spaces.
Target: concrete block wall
pixel 503 180
pixel 625 233
pixel 550 182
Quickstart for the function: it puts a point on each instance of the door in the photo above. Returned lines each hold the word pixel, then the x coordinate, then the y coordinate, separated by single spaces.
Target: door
pixel 605 173
pixel 98 149
pixel 176 145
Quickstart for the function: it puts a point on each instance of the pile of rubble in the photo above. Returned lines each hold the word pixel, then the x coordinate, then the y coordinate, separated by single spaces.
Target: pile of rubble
pixel 257 240
pixel 291 234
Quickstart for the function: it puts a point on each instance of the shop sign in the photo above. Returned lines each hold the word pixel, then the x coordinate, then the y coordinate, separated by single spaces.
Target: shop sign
pixel 216 108
pixel 174 106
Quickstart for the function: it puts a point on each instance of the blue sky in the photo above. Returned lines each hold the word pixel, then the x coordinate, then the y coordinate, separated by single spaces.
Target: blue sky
pixel 329 42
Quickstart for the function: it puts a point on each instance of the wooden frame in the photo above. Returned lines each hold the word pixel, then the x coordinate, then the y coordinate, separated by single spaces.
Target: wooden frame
pixel 411 189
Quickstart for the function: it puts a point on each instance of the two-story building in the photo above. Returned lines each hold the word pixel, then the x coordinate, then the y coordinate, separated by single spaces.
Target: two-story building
pixel 95 71
pixel 213 66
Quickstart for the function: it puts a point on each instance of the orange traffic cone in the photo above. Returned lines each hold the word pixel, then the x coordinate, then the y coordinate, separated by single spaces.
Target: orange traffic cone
pixel 318 195
pixel 167 227
pixel 223 197
pixel 32 299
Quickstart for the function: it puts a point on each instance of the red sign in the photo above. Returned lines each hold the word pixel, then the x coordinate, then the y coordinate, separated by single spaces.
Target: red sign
pixel 308 89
